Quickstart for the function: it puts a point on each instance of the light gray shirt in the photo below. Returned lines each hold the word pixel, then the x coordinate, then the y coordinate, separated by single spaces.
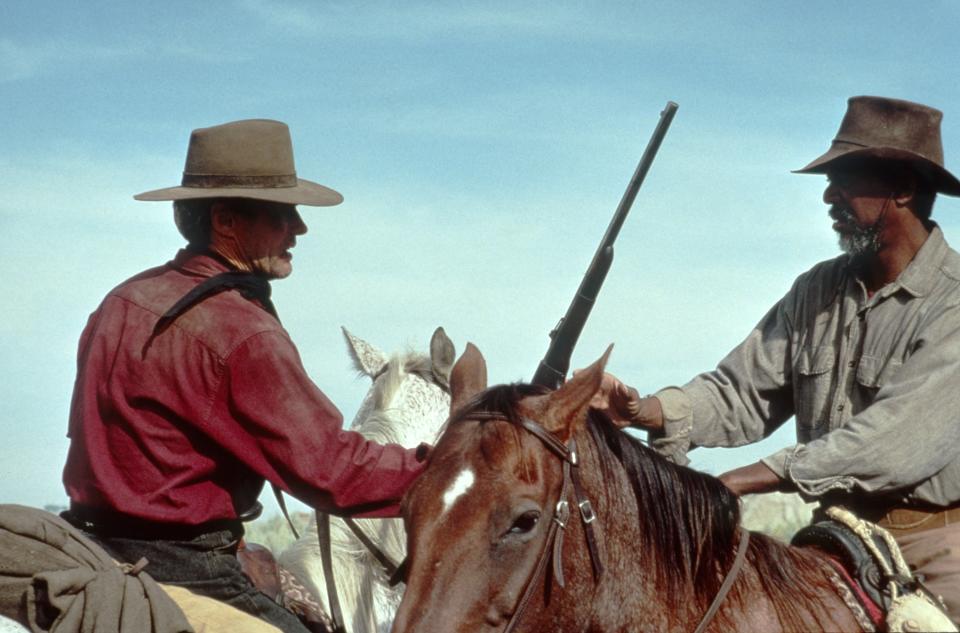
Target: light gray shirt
pixel 873 383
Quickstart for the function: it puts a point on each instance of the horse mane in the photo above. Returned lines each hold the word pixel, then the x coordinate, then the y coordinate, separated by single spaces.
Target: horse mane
pixel 689 522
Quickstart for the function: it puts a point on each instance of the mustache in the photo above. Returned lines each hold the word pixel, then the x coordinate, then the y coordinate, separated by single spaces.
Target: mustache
pixel 841 214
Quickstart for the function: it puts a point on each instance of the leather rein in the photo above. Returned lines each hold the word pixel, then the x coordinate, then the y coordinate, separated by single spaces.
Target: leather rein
pixel 553 545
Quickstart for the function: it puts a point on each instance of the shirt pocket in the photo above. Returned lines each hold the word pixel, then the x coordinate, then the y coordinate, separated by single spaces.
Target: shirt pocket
pixel 813 386
pixel 873 373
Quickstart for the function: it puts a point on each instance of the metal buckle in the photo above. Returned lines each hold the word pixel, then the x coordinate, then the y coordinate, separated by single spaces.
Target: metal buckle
pixel 572 458
pixel 586 511
pixel 562 514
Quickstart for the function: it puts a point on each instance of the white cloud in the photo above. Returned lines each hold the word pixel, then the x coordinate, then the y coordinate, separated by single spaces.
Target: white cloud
pixel 422 21
pixel 21 61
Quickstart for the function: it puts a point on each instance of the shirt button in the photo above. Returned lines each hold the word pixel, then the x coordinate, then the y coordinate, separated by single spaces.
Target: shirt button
pixel 840 407
pixel 852 363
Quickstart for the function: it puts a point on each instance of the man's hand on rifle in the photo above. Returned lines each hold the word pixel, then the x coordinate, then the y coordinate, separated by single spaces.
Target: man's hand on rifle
pixel 626 407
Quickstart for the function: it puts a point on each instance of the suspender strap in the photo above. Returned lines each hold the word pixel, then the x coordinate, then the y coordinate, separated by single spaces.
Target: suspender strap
pixel 250 285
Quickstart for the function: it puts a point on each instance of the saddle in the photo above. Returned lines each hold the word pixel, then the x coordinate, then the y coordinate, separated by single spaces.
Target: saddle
pixel 874 563
pixel 840 542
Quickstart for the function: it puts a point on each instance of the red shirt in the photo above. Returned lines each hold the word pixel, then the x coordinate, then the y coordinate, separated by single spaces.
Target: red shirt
pixel 186 429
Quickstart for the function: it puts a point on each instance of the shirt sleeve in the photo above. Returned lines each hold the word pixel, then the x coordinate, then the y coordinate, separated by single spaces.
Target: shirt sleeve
pixel 908 434
pixel 747 397
pixel 270 415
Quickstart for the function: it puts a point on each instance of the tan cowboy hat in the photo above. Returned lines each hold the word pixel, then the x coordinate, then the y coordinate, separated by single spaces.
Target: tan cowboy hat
pixel 891 129
pixel 244 159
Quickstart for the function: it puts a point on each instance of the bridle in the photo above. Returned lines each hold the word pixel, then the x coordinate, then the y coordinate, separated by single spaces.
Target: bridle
pixel 553 544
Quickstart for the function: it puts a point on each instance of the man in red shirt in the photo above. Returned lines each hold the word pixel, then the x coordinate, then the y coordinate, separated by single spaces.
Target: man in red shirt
pixel 190 394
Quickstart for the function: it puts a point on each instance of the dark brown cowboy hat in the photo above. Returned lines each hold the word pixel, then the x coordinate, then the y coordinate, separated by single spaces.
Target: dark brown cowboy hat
pixel 890 129
pixel 244 159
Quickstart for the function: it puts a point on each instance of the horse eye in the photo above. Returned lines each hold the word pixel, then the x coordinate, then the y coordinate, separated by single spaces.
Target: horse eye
pixel 525 522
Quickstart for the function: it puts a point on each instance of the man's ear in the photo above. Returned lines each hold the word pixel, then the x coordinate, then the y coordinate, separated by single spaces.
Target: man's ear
pixel 906 189
pixel 223 219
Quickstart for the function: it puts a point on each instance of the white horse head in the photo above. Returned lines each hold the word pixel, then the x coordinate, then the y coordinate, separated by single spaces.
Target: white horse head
pixel 407 404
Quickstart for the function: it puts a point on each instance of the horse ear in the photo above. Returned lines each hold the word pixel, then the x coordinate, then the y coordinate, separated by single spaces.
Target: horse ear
pixel 468 377
pixel 566 408
pixel 442 354
pixel 366 358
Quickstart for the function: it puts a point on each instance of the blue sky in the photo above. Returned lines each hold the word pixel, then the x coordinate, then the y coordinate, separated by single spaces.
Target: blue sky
pixel 481 148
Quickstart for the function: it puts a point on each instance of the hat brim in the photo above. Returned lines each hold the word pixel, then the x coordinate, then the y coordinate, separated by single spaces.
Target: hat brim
pixel 305 192
pixel 944 182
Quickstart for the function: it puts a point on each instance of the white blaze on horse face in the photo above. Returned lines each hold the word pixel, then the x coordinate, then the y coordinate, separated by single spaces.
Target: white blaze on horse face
pixel 460 485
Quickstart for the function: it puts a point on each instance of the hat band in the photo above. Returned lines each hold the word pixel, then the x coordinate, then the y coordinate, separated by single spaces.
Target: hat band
pixel 211 181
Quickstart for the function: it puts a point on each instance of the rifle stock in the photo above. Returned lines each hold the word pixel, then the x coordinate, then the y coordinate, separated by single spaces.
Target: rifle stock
pixel 552 371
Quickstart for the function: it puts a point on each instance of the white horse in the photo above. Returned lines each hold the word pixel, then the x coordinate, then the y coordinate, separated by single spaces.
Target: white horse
pixel 11 626
pixel 407 404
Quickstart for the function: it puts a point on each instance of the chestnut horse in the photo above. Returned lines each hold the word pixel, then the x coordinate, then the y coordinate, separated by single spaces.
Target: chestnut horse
pixel 487 551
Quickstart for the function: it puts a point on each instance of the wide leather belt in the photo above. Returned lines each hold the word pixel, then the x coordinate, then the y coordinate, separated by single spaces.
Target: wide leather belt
pixel 893 517
pixel 901 521
pixel 109 524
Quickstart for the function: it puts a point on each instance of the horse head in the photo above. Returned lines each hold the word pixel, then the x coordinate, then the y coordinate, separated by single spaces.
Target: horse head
pixel 483 519
pixel 536 513
pixel 408 399
pixel 406 404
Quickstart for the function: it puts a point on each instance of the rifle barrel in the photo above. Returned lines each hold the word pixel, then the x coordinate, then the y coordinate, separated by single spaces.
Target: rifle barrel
pixel 552 370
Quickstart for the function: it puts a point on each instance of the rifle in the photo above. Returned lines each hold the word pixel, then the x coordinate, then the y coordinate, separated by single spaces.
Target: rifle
pixel 553 368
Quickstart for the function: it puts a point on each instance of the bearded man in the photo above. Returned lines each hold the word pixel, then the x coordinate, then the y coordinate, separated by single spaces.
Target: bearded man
pixel 190 394
pixel 864 352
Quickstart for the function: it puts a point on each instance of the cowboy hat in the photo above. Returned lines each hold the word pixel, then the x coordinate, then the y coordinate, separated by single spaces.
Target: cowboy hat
pixel 890 129
pixel 244 159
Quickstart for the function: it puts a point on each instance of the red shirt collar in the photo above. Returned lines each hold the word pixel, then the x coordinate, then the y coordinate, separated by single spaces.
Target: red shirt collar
pixel 200 263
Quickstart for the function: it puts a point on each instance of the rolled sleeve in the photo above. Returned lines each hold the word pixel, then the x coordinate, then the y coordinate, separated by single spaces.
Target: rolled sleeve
pixel 674 442
pixel 906 436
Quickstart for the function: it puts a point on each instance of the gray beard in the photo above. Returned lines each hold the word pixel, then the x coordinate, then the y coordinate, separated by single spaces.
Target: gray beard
pixel 861 241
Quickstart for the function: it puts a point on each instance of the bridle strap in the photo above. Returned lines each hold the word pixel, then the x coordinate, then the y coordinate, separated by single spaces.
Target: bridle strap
pixel 588 518
pixel 560 449
pixel 554 536
pixel 553 545
pixel 728 581
pixel 571 471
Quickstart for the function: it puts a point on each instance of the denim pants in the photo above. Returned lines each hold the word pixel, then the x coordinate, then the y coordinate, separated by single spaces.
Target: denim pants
pixel 206 565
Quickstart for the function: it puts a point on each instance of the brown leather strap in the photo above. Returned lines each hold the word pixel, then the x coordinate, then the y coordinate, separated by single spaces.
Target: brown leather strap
pixel 283 509
pixel 727 582
pixel 388 565
pixel 587 517
pixel 326 562
pixel 557 525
